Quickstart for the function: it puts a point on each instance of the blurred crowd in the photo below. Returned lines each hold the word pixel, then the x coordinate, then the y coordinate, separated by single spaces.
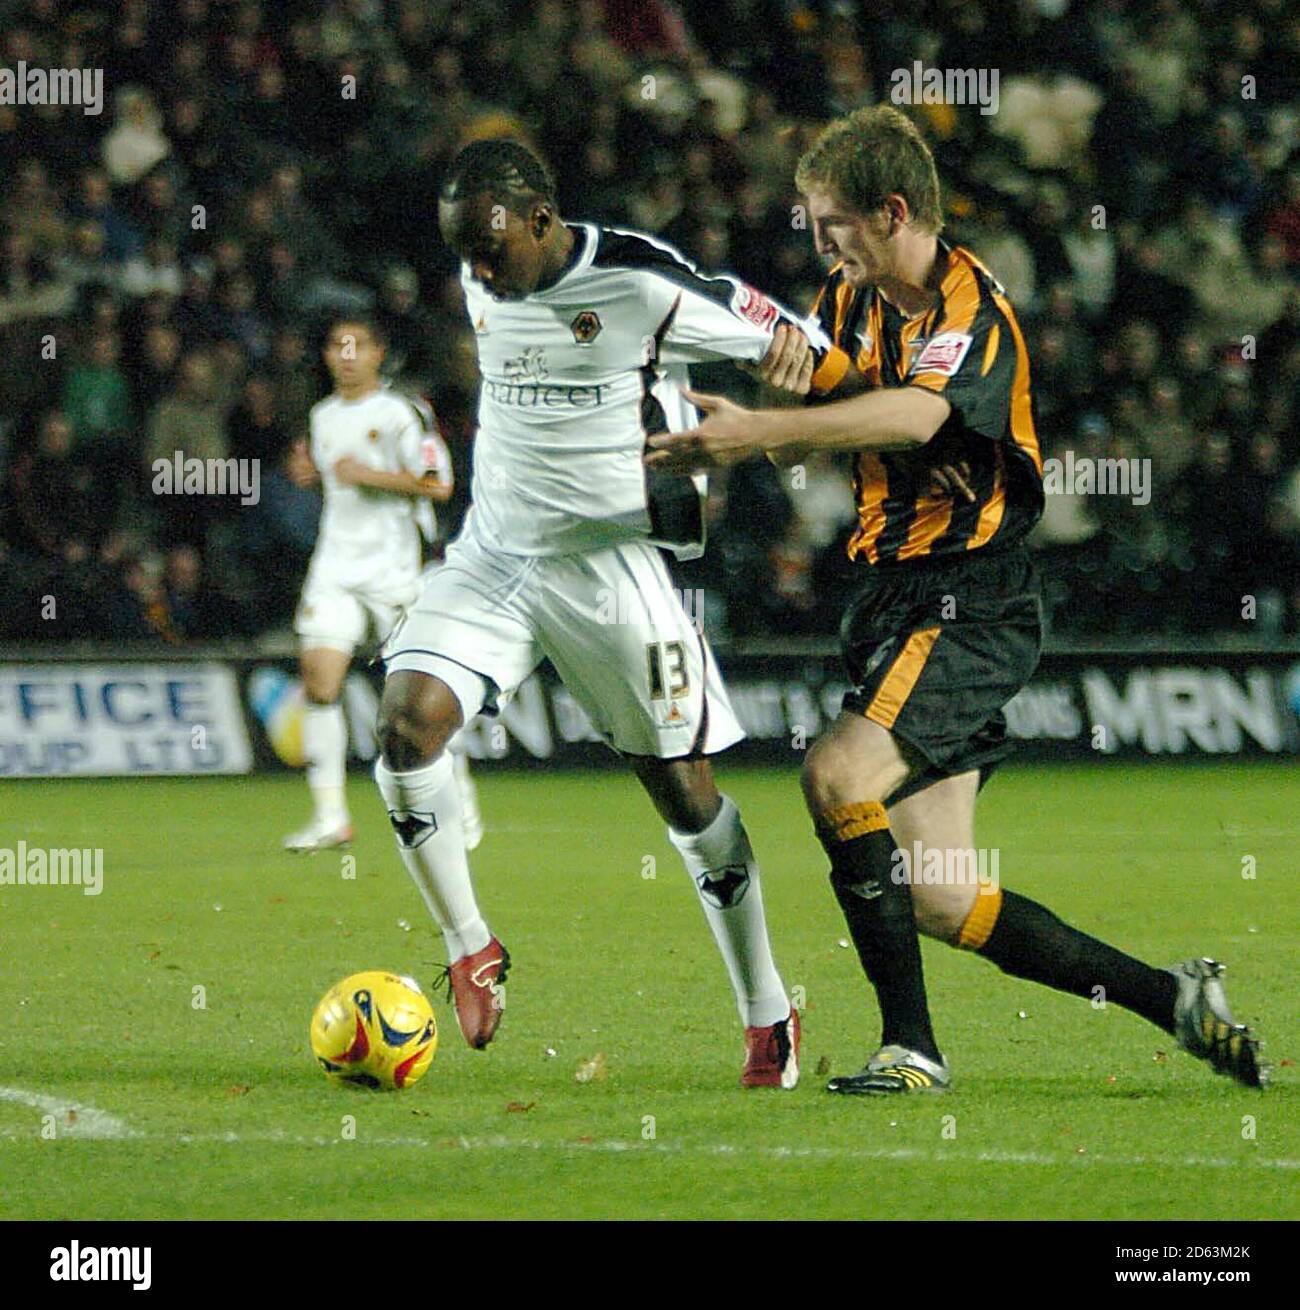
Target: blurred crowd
pixel 167 266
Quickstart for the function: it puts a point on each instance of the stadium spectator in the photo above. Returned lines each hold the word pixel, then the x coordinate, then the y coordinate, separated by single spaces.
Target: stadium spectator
pixel 156 268
pixel 253 429
pixel 195 611
pixel 97 399
pixel 189 423
pixel 155 372
pixel 413 340
pixel 29 286
pixel 136 142
pixel 292 380
pixel 94 203
pixel 55 501
pixel 1283 219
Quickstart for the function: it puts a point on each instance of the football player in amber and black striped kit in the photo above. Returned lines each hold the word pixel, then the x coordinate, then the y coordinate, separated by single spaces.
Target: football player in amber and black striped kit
pixel 947 627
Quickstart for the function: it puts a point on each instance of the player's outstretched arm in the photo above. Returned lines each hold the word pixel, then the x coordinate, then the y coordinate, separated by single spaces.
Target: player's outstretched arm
pixel 696 318
pixel 790 361
pixel 901 418
pixel 792 384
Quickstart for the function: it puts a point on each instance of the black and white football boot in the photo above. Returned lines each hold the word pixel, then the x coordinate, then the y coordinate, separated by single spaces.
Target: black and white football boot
pixel 1205 1028
pixel 894 1070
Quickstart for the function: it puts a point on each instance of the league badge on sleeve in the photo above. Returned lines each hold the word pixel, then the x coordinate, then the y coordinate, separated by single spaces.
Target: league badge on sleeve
pixel 944 354
pixel 753 306
pixel 431 452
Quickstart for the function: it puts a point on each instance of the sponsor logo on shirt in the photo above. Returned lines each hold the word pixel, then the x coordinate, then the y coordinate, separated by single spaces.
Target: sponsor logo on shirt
pixel 530 366
pixel 535 395
pixel 943 354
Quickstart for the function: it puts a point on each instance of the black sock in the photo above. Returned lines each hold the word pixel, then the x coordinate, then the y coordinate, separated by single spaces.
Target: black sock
pixel 1029 941
pixel 881 921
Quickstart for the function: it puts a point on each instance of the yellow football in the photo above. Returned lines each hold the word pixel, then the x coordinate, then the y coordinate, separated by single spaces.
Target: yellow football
pixel 375 1029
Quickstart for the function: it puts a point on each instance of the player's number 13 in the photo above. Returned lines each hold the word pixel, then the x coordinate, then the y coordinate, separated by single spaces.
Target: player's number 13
pixel 667 658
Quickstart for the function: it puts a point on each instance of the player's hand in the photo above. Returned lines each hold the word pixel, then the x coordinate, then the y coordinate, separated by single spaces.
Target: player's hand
pixel 724 436
pixel 789 362
pixel 298 465
pixel 952 480
pixel 351 472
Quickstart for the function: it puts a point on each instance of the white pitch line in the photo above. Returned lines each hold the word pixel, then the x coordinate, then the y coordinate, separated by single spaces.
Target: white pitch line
pixel 834 1153
pixel 73 1118
pixel 617 1146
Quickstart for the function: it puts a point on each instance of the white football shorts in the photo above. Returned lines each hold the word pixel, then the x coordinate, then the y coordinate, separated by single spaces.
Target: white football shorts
pixel 334 612
pixel 610 622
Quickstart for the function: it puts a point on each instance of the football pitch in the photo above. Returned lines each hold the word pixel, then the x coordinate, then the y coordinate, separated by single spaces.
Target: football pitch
pixel 154 1060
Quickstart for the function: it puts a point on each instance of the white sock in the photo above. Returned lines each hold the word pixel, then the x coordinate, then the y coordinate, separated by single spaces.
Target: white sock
pixel 470 816
pixel 325 744
pixel 424 806
pixel 723 868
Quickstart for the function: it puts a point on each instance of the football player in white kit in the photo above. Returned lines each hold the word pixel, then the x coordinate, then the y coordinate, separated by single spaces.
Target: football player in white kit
pixel 584 336
pixel 382 465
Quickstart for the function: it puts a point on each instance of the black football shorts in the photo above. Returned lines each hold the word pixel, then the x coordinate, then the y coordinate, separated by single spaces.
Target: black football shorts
pixel 935 650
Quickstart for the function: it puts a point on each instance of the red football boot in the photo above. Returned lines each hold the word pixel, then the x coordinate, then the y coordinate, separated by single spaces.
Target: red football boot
pixel 478 992
pixel 772 1054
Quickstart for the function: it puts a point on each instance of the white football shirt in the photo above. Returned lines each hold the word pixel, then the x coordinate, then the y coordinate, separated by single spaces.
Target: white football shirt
pixel 365 533
pixel 577 376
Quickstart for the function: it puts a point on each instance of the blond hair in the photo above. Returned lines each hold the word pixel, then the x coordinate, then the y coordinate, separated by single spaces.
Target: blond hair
pixel 870 154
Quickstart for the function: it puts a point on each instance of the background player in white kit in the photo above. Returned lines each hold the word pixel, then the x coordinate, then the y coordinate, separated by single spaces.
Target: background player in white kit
pixel 584 336
pixel 380 460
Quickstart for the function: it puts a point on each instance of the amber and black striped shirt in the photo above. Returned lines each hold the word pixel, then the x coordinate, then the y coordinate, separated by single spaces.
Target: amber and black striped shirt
pixel 968 349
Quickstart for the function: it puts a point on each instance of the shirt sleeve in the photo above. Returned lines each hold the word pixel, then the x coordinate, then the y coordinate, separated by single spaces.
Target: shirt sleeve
pixel 694 318
pixel 420 447
pixel 970 360
pixel 435 457
pixel 833 364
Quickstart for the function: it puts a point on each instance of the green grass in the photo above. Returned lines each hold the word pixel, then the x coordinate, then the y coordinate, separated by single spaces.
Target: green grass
pixel 1069 1111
